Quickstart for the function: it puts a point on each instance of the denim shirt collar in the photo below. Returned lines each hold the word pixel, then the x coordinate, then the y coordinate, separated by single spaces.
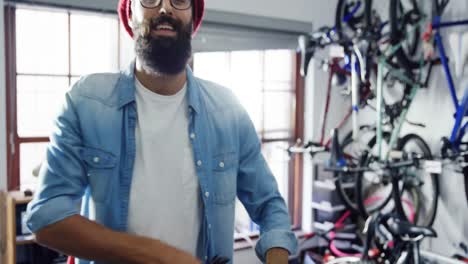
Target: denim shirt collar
pixel 125 88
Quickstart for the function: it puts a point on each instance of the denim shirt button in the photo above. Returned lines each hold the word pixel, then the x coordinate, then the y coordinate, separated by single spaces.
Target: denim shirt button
pixel 207 194
pixel 96 159
pixel 221 164
pixel 199 163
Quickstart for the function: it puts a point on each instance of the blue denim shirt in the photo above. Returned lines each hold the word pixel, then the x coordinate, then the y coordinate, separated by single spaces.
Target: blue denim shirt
pixel 92 151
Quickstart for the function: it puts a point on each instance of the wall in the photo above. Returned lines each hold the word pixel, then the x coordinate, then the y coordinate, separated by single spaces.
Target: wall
pixel 300 10
pixel 2 104
pixel 432 106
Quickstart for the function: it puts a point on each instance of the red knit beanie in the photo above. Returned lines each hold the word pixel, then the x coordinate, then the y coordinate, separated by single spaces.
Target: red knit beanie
pixel 125 11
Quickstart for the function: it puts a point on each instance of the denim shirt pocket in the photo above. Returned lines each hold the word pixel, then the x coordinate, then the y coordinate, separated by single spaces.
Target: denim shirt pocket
pixel 224 177
pixel 100 167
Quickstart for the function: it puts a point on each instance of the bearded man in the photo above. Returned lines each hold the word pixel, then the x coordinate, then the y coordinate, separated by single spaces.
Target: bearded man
pixel 155 157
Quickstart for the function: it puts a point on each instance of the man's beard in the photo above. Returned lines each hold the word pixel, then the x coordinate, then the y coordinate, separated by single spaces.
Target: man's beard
pixel 161 54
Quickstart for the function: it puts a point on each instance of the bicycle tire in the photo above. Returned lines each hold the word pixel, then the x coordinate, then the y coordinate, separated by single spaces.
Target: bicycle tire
pixel 346 194
pixel 433 185
pixel 352 197
pixel 408 59
pixel 361 200
pixel 363 20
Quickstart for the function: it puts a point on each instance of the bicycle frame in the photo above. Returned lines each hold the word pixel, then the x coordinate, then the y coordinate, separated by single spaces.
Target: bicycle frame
pixel 380 102
pixel 461 107
pixel 352 111
pixel 335 68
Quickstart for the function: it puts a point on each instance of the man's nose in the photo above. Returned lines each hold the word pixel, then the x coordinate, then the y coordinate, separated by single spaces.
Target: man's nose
pixel 166 7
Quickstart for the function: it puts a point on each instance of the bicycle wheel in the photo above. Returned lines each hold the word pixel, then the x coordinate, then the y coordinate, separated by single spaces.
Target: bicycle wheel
pixel 373 190
pixel 352 15
pixel 416 193
pixel 360 191
pixel 406 27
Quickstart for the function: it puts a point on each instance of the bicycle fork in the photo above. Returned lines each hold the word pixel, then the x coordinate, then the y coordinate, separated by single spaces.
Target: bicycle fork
pixel 355 95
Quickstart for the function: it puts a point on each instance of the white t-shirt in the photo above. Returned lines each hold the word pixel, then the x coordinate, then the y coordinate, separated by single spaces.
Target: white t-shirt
pixel 165 199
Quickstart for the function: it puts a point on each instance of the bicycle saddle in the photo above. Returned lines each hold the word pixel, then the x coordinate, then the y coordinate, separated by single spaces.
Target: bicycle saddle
pixel 403 228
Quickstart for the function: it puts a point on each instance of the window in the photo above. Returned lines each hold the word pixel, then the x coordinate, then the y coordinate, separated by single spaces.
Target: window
pixel 265 83
pixel 54 47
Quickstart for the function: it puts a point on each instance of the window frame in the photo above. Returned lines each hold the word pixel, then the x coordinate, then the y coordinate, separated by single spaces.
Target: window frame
pixel 14 141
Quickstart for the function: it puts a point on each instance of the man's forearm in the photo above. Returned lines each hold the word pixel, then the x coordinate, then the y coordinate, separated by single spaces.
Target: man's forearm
pixel 277 255
pixel 80 237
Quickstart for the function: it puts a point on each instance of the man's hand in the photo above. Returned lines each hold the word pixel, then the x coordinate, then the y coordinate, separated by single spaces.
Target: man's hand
pixel 82 238
pixel 277 256
pixel 182 257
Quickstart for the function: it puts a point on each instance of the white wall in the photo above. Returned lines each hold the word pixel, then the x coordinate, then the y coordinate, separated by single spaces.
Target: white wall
pixel 299 10
pixel 2 104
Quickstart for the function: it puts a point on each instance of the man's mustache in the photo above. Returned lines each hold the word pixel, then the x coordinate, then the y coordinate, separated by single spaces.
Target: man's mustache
pixel 151 24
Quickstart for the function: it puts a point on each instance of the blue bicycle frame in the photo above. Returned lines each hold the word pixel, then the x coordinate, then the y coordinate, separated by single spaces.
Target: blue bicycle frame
pixel 461 107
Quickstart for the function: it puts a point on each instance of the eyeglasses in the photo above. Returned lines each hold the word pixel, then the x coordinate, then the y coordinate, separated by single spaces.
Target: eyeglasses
pixel 177 4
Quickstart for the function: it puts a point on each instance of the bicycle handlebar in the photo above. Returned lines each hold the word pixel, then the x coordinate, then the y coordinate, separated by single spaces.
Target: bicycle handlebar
pixel 311 148
pixel 382 166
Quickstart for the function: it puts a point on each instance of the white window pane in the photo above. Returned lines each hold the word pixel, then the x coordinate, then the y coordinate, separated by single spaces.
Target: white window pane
pixel 279 86
pixel 278 160
pixel 94 42
pixel 41 41
pixel 279 65
pixel 213 66
pixel 277 134
pixel 279 107
pixel 39 99
pixel 247 65
pixel 73 80
pixel 251 98
pixel 31 156
pixel 127 51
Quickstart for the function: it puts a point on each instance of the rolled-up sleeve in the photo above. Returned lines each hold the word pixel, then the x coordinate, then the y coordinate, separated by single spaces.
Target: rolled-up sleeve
pixel 258 191
pixel 62 178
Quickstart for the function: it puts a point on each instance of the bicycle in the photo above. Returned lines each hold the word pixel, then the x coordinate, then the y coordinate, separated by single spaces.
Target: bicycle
pixel 454 146
pixel 387 239
pixel 359 75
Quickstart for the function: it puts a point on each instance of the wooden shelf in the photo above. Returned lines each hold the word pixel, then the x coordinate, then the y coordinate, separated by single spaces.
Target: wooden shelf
pixel 19 197
pixel 25 240
pixel 9 203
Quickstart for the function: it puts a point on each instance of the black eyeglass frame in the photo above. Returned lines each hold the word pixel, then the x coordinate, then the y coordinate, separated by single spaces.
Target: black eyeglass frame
pixel 160 2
